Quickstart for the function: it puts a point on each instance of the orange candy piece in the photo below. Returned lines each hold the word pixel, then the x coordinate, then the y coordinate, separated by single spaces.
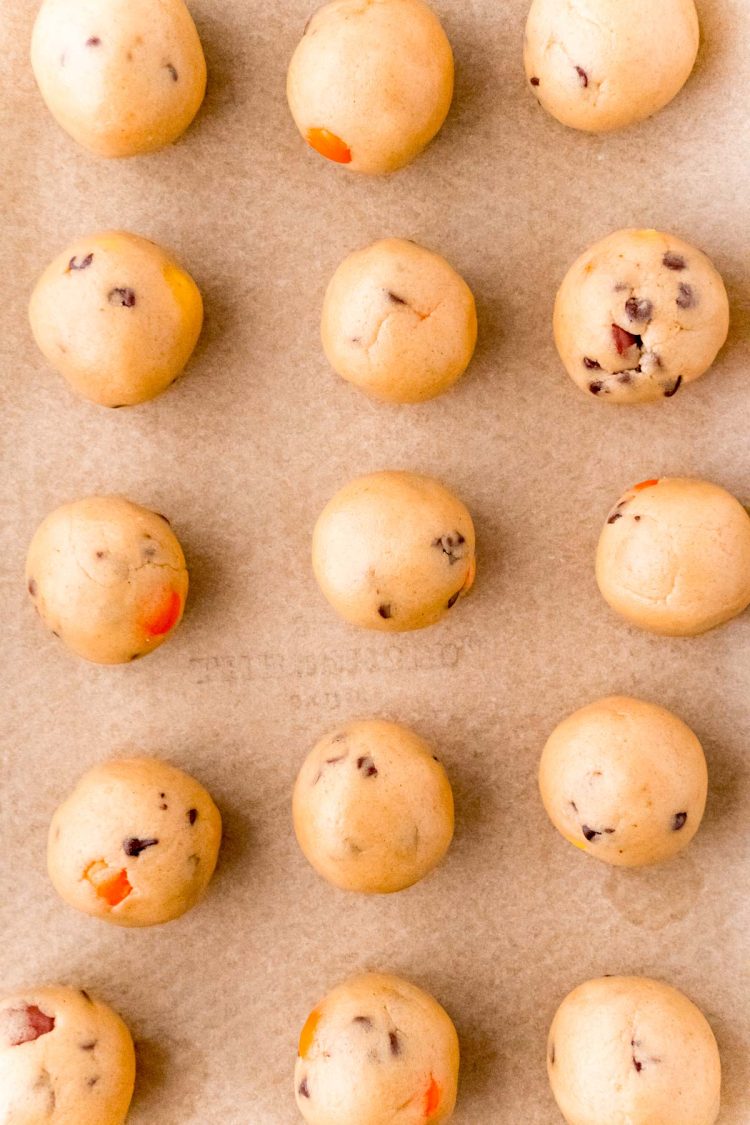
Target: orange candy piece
pixel 166 616
pixel 113 886
pixel 432 1098
pixel 308 1033
pixel 329 145
pixel 644 484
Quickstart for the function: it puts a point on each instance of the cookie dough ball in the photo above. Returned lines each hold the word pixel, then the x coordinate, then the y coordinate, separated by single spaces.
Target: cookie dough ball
pixel 65 1059
pixel 394 551
pixel 674 556
pixel 108 577
pixel 377 1051
pixel 117 317
pixel 399 322
pixel 625 781
pixel 369 85
pixel 640 314
pixel 373 807
pixel 120 76
pixel 633 1049
pixel 135 843
pixel 609 63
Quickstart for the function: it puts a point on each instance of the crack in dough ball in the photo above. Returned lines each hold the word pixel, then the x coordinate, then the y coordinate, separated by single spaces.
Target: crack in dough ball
pixel 674 556
pixel 371 82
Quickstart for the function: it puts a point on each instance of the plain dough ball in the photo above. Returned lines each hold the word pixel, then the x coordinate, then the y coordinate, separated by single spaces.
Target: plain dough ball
pixel 135 843
pixel 373 807
pixel 65 1059
pixel 625 781
pixel 117 317
pixel 638 315
pixel 605 64
pixel 108 577
pixel 674 556
pixel 399 322
pixel 120 76
pixel 371 82
pixel 377 1051
pixel 394 551
pixel 630 1049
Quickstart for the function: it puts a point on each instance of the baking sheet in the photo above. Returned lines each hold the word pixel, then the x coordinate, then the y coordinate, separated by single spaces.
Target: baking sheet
pixel 243 453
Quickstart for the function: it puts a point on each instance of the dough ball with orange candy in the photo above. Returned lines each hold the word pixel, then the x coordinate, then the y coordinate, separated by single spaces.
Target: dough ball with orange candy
pixel 108 577
pixel 377 1051
pixel 117 317
pixel 135 843
pixel 369 85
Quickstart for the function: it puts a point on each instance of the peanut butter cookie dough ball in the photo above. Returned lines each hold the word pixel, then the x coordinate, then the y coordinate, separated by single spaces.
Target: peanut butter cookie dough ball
pixel 371 82
pixel 394 551
pixel 633 1049
pixel 65 1059
pixel 674 556
pixel 117 317
pixel 135 843
pixel 377 1051
pixel 638 315
pixel 108 577
pixel 399 322
pixel 625 781
pixel 120 76
pixel 373 807
pixel 606 64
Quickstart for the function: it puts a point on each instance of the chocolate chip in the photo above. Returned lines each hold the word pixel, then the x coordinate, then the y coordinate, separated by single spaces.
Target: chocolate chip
pixel 384 611
pixel 615 517
pixel 100 554
pixel 304 1091
pixel 596 388
pixel 583 77
pixel 679 820
pixel 637 1064
pixel 636 518
pixel 589 833
pixel 449 545
pixel 625 377
pixel 365 1021
pixel 172 71
pixel 639 308
pixel 133 846
pixel 675 388
pixel 574 806
pixel 624 340
pixel 396 299
pixel 674 261
pixel 148 550
pixel 591 364
pixel 192 815
pixel 80 264
pixel 395 1043
pixel 89 1046
pixel 453 599
pixel 93 1081
pixel 534 81
pixel 367 765
pixel 32 587
pixel 94 41
pixel 686 296
pixel 123 297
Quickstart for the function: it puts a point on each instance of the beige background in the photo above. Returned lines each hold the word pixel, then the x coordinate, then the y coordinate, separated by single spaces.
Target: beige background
pixel 243 453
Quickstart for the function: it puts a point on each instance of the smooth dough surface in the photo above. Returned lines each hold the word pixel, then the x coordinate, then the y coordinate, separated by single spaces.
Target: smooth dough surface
pixel 377 1051
pixel 373 807
pixel 394 551
pixel 371 82
pixel 135 843
pixel 117 317
pixel 120 76
pixel 633 1050
pixel 638 315
pixel 674 556
pixel 398 321
pixel 108 577
pixel 600 65
pixel 65 1059
pixel 625 781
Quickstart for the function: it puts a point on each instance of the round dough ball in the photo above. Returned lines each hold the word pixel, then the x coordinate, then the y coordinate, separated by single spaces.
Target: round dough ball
pixel 674 556
pixel 394 551
pixel 370 84
pixel 638 315
pixel 135 843
pixel 625 781
pixel 399 322
pixel 65 1059
pixel 379 1051
pixel 609 63
pixel 117 317
pixel 108 577
pixel 120 76
pixel 633 1049
pixel 373 807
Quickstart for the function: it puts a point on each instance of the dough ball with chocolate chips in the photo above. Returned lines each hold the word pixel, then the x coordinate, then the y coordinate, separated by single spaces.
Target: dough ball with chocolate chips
pixel 370 84
pixel 135 843
pixel 639 315
pixel 120 76
pixel 65 1057
pixel 625 781
pixel 107 577
pixel 399 322
pixel 117 317
pixel 630 1049
pixel 394 551
pixel 674 556
pixel 376 1051
pixel 373 807
pixel 606 64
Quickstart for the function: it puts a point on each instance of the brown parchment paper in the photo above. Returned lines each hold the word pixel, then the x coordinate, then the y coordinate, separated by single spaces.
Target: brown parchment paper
pixel 242 454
